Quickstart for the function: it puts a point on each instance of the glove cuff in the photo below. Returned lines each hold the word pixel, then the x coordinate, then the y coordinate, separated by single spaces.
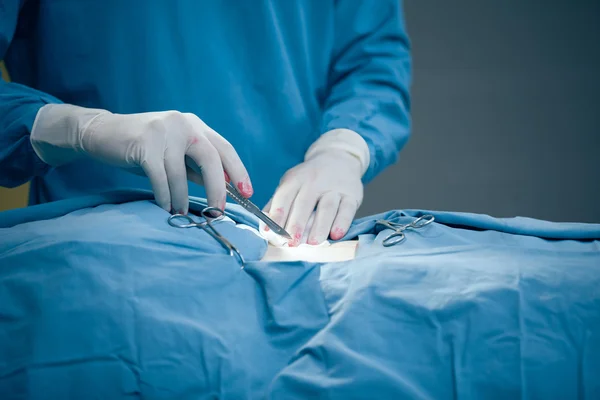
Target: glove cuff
pixel 56 132
pixel 342 139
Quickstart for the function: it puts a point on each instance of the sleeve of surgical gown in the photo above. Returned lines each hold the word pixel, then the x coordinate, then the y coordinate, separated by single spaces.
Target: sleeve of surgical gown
pixel 19 105
pixel 369 78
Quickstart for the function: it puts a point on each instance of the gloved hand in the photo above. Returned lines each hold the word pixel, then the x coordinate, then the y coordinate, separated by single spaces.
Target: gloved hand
pixel 168 147
pixel 330 178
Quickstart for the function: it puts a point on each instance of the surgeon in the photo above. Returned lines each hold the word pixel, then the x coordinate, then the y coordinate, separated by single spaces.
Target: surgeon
pixel 309 98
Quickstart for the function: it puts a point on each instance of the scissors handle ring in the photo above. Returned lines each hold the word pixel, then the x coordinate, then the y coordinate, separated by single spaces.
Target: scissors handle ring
pixel 422 221
pixel 394 238
pixel 178 217
pixel 208 213
pixel 397 235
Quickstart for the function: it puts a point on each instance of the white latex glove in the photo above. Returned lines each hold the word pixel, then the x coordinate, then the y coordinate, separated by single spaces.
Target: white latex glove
pixel 330 178
pixel 169 147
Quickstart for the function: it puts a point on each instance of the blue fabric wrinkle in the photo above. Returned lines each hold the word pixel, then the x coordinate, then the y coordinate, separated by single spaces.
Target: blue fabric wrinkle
pixel 100 297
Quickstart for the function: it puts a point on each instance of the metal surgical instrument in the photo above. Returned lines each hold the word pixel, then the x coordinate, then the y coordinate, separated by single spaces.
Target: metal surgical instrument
pixel 251 207
pixel 398 235
pixel 185 221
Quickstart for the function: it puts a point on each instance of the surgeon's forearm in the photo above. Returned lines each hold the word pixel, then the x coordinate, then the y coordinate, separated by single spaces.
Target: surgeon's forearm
pixel 370 78
pixel 19 105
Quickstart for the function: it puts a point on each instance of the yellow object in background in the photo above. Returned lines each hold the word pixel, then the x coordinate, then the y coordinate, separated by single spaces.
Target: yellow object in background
pixel 4 72
pixel 12 198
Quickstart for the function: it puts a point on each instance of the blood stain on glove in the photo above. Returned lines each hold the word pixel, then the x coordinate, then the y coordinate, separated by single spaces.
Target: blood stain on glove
pixel 337 233
pixel 296 235
pixel 227 179
pixel 245 187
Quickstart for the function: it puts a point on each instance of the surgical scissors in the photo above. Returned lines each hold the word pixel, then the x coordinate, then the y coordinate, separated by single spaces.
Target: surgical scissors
pixel 398 235
pixel 185 221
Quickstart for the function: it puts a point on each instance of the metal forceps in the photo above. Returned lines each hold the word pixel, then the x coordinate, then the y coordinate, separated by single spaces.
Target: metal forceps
pixel 185 221
pixel 251 207
pixel 398 235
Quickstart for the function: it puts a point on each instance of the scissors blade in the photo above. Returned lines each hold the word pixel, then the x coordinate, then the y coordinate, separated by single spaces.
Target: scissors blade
pixel 252 208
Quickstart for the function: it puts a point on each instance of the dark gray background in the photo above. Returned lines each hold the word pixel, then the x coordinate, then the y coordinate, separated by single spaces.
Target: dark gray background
pixel 506 111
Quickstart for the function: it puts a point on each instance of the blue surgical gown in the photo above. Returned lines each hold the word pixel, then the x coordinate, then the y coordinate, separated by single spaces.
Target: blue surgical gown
pixel 268 75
